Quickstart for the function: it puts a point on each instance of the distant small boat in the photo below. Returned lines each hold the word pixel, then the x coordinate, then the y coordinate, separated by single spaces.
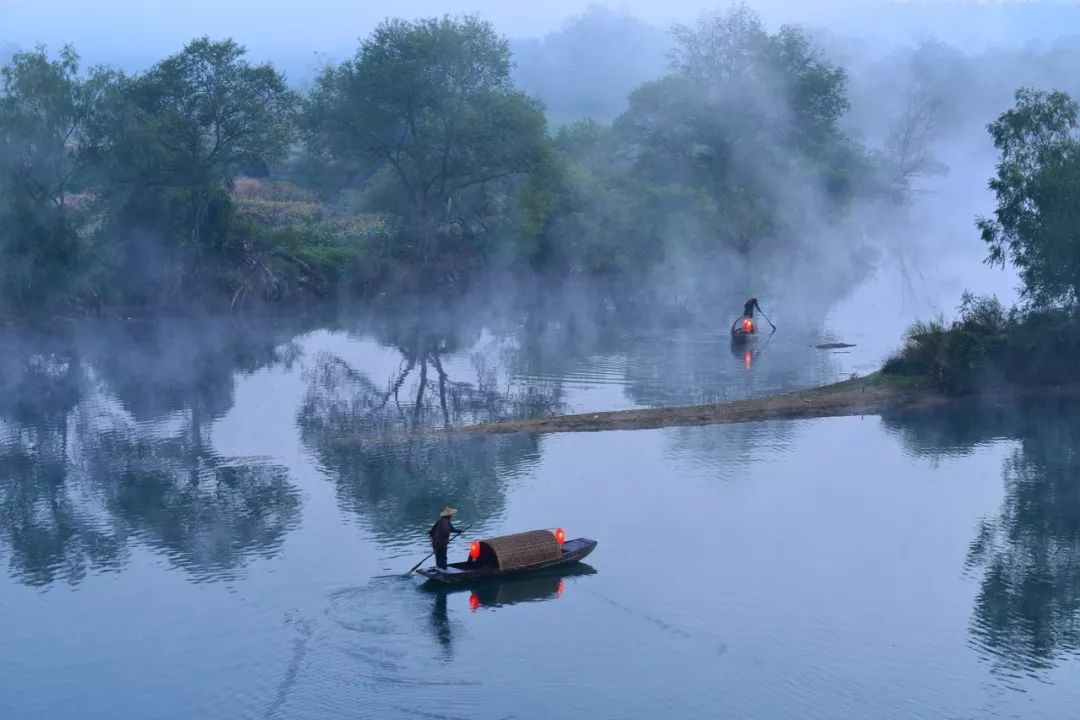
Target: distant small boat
pixel 744 327
pixel 513 555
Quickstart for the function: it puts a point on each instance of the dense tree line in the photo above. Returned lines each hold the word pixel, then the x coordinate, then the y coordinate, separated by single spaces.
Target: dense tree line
pixel 117 188
pixel 206 177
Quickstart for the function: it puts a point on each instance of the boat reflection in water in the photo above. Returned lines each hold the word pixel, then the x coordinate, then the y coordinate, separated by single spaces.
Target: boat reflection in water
pixel 539 586
pixel 743 348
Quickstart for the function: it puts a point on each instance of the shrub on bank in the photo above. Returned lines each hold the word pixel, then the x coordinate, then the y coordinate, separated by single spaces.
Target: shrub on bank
pixel 989 345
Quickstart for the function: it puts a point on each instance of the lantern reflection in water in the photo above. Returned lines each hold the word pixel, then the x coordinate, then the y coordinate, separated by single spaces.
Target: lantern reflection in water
pixel 527 588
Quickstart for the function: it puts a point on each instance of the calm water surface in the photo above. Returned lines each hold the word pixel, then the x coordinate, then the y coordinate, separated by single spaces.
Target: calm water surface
pixel 204 520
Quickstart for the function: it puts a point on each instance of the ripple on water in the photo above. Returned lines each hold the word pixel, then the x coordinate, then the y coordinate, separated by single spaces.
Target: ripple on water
pixel 377 651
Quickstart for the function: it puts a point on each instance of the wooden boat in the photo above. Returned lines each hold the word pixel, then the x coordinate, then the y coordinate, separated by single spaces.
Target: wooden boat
pixel 509 555
pixel 743 328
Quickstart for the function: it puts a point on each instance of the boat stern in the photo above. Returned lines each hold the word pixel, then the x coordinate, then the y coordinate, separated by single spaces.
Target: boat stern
pixel 432 573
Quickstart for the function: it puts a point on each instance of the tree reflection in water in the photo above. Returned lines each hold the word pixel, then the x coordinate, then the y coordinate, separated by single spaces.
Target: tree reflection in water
pixel 105 439
pixel 1028 609
pixel 1027 612
pixel 422 393
pixel 372 440
pixel 42 522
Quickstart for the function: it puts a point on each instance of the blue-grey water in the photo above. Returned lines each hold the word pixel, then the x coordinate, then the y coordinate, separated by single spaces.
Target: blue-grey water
pixel 206 518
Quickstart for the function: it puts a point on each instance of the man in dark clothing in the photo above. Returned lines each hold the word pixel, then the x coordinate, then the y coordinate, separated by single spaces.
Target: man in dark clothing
pixel 748 308
pixel 440 536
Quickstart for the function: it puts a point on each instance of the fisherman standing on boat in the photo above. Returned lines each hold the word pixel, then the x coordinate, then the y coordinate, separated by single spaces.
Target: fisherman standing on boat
pixel 744 324
pixel 440 534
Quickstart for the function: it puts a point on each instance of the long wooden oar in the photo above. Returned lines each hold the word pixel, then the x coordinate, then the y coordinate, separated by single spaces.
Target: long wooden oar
pixel 459 532
pixel 766 317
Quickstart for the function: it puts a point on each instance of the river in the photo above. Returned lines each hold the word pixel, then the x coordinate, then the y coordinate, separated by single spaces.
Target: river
pixel 205 518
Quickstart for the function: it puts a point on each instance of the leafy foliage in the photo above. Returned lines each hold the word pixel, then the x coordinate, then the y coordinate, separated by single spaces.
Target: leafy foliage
pixel 989 345
pixel 1036 225
pixel 737 145
pixel 169 145
pixel 46 109
pixel 739 106
pixel 431 103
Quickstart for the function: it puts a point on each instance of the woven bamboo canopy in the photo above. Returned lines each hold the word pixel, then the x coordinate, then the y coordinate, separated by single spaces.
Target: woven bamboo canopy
pixel 510 552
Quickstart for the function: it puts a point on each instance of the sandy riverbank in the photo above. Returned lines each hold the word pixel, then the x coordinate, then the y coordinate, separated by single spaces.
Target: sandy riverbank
pixel 871 395
pixel 875 394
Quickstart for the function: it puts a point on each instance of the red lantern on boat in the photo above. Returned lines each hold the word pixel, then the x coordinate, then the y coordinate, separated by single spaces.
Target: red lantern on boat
pixel 747 325
pixel 474 550
pixel 560 536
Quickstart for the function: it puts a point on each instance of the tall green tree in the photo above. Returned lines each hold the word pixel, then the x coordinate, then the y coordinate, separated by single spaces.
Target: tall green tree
pixel 748 117
pixel 174 139
pixel 1036 225
pixel 430 105
pixel 46 108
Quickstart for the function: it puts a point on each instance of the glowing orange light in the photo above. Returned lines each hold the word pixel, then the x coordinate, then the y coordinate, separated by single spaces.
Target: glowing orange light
pixel 562 586
pixel 474 601
pixel 747 357
pixel 474 550
pixel 560 536
pixel 747 325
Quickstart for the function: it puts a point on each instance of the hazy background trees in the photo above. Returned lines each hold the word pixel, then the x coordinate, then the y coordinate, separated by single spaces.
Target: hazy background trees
pixel 722 148
pixel 589 66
